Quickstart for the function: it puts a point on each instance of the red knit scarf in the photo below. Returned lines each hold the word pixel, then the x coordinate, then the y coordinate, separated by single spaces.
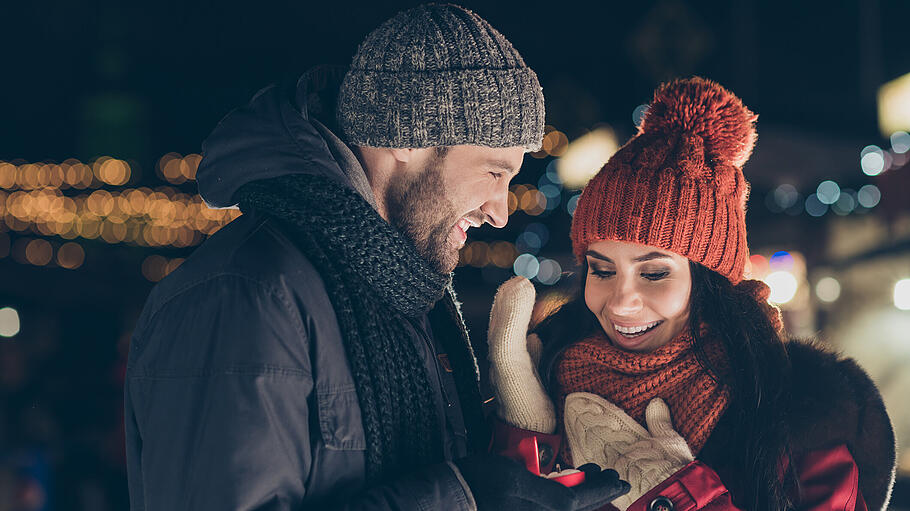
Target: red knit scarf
pixel 631 380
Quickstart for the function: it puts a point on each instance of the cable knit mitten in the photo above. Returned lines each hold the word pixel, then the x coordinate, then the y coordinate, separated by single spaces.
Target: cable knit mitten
pixel 520 395
pixel 600 432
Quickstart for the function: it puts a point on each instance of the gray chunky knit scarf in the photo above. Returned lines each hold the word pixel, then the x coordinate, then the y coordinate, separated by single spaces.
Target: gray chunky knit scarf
pixel 376 282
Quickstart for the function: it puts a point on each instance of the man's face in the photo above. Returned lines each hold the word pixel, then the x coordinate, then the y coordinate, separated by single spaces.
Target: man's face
pixel 456 189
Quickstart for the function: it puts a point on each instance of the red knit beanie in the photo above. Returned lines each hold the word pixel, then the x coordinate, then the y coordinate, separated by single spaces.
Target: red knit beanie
pixel 678 184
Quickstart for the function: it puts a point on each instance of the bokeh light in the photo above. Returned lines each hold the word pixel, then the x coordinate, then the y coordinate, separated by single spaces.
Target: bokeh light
pixel 827 289
pixel 70 255
pixel 154 268
pixel 757 266
pixel 783 286
pixel 572 204
pixel 782 198
pixel 815 207
pixel 555 143
pixel 39 252
pixel 828 192
pixel 781 260
pixel 112 171
pixel 638 114
pixel 502 254
pixel 868 196
pixel 585 156
pixel 846 203
pixel 900 142
pixel 872 160
pixel 9 322
pixel 528 242
pixel 902 294
pixel 526 265
pixel 549 272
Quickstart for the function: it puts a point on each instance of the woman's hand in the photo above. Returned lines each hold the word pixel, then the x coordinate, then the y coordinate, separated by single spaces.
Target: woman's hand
pixel 520 395
pixel 600 432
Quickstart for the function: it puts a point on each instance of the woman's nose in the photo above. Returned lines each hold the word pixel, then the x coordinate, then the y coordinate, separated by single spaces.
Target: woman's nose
pixel 626 299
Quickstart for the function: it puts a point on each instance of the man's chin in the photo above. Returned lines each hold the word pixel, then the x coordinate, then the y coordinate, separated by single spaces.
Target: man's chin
pixel 446 260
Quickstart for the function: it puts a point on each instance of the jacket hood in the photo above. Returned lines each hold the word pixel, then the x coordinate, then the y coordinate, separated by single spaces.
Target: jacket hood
pixel 276 134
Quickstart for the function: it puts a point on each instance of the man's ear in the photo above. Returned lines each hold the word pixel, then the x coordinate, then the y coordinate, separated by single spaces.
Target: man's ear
pixel 403 154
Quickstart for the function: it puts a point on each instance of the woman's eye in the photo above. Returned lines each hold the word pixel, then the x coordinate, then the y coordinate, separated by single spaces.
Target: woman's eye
pixel 657 275
pixel 602 274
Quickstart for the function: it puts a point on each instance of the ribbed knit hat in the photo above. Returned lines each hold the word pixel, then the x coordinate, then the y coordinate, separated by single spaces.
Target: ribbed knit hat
pixel 440 75
pixel 678 184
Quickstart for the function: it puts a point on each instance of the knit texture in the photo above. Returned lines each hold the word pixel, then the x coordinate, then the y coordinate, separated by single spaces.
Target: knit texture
pixel 520 396
pixel 631 380
pixel 678 184
pixel 376 283
pixel 440 75
pixel 599 432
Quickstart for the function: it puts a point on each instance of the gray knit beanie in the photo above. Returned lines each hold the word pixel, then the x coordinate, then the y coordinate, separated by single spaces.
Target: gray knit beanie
pixel 440 75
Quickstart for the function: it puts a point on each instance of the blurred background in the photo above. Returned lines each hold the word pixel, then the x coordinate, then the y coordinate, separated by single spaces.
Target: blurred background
pixel 104 105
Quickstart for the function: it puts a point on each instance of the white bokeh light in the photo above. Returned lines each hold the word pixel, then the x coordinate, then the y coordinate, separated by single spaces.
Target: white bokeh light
pixel 9 322
pixel 827 289
pixel 902 294
pixel 783 286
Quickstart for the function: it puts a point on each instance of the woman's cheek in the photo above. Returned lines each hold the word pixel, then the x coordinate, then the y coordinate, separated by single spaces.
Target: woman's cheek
pixel 595 294
pixel 674 298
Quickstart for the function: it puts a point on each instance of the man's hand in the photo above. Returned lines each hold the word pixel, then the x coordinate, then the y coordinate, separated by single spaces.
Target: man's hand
pixel 499 483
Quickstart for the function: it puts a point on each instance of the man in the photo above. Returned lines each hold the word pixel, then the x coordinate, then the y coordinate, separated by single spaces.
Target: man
pixel 311 354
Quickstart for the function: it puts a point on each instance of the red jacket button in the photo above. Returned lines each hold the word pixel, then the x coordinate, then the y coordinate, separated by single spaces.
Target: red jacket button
pixel 661 504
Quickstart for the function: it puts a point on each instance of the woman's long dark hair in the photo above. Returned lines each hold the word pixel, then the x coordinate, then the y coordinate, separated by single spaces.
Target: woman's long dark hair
pixel 758 379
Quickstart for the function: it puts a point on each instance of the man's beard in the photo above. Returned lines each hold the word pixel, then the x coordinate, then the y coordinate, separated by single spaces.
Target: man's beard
pixel 418 207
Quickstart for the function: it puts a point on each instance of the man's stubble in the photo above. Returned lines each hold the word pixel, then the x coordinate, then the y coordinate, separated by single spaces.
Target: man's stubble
pixel 419 208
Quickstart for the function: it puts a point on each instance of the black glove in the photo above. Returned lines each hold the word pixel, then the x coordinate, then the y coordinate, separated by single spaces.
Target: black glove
pixel 500 483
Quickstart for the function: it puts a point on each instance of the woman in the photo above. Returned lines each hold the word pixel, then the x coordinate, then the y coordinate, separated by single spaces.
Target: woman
pixel 669 367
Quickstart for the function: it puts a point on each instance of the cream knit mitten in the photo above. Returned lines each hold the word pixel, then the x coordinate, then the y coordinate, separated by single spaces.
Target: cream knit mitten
pixel 600 432
pixel 514 355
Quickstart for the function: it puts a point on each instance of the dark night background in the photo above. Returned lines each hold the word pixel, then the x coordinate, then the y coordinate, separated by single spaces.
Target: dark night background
pixel 135 81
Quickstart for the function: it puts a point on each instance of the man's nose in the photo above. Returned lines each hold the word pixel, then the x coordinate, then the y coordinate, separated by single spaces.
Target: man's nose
pixel 496 209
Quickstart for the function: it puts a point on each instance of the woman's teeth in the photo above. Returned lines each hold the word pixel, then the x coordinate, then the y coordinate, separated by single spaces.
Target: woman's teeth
pixel 635 331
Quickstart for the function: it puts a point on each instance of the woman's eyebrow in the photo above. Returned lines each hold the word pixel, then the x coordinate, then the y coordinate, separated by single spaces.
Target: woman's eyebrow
pixel 651 255
pixel 647 257
pixel 598 255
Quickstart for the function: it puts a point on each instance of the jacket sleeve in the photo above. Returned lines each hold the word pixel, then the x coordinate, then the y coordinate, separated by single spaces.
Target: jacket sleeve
pixel 438 486
pixel 829 480
pixel 221 413
pixel 694 487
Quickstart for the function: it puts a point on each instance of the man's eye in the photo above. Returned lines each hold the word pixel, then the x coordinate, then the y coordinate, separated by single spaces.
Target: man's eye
pixel 657 275
pixel 496 175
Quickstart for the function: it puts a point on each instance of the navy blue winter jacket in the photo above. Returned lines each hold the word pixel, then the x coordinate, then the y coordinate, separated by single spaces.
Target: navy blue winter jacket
pixel 238 394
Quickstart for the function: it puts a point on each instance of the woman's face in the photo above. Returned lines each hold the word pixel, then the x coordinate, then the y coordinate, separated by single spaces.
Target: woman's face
pixel 640 294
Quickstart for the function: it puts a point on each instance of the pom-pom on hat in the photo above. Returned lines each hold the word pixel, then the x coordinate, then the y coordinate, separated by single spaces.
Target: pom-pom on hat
pixel 677 184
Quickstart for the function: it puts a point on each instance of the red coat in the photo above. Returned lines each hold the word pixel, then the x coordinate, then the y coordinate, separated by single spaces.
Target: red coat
pixel 843 445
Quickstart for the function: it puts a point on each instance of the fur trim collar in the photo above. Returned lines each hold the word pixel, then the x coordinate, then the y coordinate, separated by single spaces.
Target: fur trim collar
pixel 835 402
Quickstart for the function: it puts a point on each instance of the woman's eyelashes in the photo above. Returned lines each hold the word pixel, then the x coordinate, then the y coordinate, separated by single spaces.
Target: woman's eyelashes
pixel 652 275
pixel 602 274
pixel 656 275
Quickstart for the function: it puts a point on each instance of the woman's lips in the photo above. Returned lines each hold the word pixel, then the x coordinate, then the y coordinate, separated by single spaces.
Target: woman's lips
pixel 633 331
pixel 632 341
